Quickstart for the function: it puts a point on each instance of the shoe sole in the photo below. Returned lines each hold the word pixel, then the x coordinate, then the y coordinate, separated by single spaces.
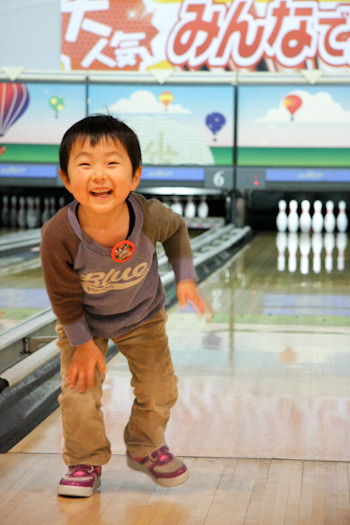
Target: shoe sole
pixel 164 482
pixel 77 492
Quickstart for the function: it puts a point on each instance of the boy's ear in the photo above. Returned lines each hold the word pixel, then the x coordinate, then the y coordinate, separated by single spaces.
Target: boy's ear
pixel 65 179
pixel 136 178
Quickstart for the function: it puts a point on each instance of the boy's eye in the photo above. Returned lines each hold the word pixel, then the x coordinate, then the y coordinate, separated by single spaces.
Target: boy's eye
pixel 113 163
pixel 84 164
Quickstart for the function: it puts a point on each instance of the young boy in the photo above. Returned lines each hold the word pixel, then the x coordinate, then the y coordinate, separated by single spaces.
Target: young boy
pixel 100 267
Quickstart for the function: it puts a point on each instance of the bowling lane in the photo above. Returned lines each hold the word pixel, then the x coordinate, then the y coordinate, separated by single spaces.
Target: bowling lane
pixel 22 295
pixel 267 377
pixel 22 289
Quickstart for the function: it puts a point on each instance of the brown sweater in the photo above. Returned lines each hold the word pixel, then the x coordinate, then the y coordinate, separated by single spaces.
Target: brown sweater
pixel 93 295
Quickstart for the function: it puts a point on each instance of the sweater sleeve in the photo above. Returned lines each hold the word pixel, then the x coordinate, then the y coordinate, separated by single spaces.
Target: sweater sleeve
pixel 163 225
pixel 59 246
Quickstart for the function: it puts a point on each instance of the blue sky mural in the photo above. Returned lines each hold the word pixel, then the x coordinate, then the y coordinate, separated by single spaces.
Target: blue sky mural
pixel 52 109
pixel 321 120
pixel 175 124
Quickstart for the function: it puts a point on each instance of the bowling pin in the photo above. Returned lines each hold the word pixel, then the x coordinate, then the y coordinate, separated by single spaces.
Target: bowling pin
pixel 203 208
pixel 329 220
pixel 190 208
pixel 31 216
pixel 52 209
pixel 304 246
pixel 341 244
pixel 5 212
pixel 45 216
pixel 305 217
pixel 293 219
pixel 329 243
pixel 281 219
pixel 21 217
pixel 317 218
pixel 292 251
pixel 13 212
pixel 37 211
pixel 317 245
pixel 177 206
pixel 281 244
pixel 342 220
pixel 61 202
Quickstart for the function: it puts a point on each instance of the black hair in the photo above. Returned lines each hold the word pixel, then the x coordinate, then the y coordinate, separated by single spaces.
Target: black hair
pixel 96 128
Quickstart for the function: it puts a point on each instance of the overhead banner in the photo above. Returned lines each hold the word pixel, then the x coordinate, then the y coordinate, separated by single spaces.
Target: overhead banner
pixel 234 35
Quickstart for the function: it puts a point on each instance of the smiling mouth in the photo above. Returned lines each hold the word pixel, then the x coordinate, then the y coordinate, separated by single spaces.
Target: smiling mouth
pixel 101 193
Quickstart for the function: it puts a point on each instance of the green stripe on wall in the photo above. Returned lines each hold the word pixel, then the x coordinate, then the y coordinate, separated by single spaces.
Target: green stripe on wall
pixel 325 157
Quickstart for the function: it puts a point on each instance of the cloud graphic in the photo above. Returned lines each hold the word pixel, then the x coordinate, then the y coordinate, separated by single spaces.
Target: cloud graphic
pixel 314 108
pixel 144 102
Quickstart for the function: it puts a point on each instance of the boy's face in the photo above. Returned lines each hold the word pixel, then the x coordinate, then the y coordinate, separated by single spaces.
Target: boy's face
pixel 100 178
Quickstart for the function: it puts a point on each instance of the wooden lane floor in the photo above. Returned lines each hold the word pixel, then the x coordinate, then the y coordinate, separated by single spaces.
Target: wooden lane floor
pixel 22 296
pixel 262 418
pixel 22 288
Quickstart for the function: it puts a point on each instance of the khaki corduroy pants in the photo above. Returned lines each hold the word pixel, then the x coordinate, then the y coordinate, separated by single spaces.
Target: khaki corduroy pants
pixel 155 388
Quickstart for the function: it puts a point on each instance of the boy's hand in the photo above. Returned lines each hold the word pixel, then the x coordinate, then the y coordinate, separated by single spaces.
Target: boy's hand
pixel 81 371
pixel 187 291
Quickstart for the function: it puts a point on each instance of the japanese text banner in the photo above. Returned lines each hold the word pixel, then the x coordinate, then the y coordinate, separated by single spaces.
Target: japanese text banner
pixel 139 35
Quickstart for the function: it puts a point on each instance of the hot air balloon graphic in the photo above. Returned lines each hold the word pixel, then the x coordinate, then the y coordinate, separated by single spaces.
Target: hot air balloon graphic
pixel 14 100
pixel 166 97
pixel 57 104
pixel 214 122
pixel 292 103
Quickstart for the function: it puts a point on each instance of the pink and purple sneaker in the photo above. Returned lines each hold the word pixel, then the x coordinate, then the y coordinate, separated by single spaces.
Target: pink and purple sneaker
pixel 164 468
pixel 80 481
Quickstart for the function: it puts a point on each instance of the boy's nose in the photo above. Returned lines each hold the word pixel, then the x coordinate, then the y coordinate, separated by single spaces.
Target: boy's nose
pixel 98 175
